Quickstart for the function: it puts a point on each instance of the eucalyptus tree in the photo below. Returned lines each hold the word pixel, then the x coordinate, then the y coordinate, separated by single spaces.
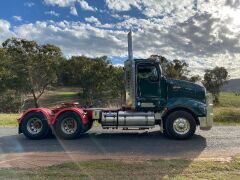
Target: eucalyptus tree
pixel 33 67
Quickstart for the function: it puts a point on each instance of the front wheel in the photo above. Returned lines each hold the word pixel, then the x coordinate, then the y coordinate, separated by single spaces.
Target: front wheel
pixel 180 125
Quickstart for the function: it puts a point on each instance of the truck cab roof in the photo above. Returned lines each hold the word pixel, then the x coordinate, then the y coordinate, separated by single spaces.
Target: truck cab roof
pixel 145 60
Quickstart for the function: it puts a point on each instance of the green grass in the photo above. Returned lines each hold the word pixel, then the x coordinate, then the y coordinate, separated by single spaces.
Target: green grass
pixel 228 111
pixel 59 95
pixel 9 120
pixel 131 169
pixel 229 100
pixel 226 115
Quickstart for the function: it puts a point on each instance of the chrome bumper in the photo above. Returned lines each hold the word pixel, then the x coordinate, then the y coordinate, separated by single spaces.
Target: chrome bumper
pixel 206 123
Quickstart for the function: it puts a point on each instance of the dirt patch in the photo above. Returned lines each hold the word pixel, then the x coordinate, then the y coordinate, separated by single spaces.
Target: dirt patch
pixel 36 160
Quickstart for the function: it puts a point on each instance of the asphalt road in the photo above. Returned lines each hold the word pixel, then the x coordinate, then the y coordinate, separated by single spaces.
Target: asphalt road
pixel 16 150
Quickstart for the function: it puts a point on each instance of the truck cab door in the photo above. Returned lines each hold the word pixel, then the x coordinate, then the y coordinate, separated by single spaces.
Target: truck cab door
pixel 148 89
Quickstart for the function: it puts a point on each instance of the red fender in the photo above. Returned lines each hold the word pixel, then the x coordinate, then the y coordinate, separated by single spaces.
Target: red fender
pixel 79 111
pixel 45 111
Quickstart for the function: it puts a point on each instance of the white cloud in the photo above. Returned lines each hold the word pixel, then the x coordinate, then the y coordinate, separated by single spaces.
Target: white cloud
pixel 92 19
pixel 123 5
pixel 5 30
pixel 206 34
pixel 52 13
pixel 60 3
pixel 4 25
pixel 117 16
pixel 118 65
pixel 29 4
pixel 71 3
pixel 75 38
pixel 64 3
pixel 84 5
pixel 177 10
pixel 17 18
pixel 73 10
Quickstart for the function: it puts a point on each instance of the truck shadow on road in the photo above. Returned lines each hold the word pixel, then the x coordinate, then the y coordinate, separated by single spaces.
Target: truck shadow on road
pixel 100 143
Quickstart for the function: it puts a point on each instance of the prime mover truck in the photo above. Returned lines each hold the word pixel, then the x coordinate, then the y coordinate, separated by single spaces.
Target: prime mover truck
pixel 178 107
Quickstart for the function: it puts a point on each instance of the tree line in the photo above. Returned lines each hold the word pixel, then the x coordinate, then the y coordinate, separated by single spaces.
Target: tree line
pixel 28 68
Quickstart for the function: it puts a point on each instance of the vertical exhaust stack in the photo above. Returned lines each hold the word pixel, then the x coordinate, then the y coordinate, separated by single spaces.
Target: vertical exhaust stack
pixel 130 48
pixel 130 80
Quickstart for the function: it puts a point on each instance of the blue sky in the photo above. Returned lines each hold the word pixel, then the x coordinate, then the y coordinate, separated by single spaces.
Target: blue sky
pixel 32 11
pixel 204 33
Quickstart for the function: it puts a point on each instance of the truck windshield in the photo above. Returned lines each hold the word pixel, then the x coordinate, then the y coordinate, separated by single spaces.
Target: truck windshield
pixel 147 72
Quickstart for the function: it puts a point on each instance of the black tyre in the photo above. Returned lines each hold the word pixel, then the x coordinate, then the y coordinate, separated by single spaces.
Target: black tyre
pixel 180 125
pixel 68 126
pixel 35 126
pixel 88 126
pixel 165 132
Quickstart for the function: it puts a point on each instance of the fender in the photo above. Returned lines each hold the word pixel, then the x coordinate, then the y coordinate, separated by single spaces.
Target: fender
pixel 196 107
pixel 79 111
pixel 45 111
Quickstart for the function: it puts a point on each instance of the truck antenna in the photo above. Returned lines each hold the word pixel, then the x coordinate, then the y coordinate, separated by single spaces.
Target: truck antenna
pixel 130 48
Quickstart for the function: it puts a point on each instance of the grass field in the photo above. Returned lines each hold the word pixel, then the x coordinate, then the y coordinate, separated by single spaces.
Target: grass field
pixel 228 112
pixel 116 169
pixel 228 99
pixel 9 120
pixel 57 96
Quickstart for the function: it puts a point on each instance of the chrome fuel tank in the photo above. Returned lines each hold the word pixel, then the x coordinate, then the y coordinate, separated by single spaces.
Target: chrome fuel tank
pixel 109 119
pixel 127 119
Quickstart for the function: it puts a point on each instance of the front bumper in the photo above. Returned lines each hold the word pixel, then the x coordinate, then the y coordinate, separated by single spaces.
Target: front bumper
pixel 206 123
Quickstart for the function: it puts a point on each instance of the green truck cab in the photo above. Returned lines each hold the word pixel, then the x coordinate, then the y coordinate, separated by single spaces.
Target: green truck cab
pixel 179 106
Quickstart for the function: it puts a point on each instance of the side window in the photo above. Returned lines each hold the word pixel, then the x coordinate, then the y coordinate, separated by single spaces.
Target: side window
pixel 148 72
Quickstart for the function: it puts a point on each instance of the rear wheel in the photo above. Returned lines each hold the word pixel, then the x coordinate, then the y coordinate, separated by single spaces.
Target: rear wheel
pixel 68 126
pixel 180 125
pixel 35 126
